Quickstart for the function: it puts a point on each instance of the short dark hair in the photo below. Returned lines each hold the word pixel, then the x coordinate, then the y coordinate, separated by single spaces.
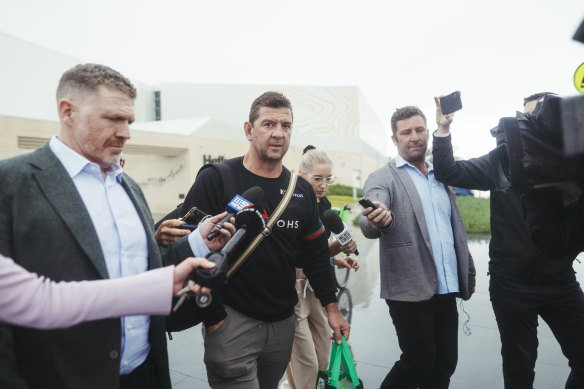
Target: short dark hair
pixel 405 113
pixel 269 99
pixel 535 96
pixel 89 77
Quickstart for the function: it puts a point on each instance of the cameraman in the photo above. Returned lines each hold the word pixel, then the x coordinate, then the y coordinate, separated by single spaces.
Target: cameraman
pixel 525 281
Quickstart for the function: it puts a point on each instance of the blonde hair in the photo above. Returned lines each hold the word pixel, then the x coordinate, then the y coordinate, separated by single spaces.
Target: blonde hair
pixel 313 157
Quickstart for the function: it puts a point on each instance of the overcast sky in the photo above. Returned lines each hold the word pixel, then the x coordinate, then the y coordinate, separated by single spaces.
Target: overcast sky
pixel 398 52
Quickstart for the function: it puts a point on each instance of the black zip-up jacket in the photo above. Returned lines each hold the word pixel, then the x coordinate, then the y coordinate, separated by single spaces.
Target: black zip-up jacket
pixel 513 254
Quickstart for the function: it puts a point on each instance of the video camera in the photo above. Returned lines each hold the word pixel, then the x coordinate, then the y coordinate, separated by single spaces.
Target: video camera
pixel 546 147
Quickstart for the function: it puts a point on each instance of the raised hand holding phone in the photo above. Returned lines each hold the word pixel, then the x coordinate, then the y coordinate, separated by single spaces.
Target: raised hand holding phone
pixel 450 103
pixel 445 108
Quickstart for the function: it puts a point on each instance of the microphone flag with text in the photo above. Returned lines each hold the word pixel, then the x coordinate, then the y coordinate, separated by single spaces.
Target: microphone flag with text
pixel 238 203
pixel 249 222
pixel 339 230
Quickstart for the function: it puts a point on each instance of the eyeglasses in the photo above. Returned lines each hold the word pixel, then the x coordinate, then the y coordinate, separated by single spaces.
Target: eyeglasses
pixel 320 179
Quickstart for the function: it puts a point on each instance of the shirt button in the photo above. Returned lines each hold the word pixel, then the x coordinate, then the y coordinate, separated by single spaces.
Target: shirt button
pixel 129 327
pixel 113 354
pixel 125 363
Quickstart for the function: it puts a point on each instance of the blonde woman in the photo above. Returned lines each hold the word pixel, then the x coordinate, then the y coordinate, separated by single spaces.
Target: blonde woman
pixel 312 344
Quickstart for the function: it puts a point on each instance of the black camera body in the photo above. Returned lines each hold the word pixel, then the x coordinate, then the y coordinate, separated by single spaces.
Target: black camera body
pixel 573 124
pixel 544 148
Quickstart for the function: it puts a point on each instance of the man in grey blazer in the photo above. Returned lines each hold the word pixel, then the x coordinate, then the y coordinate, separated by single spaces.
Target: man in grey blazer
pixel 424 258
pixel 68 212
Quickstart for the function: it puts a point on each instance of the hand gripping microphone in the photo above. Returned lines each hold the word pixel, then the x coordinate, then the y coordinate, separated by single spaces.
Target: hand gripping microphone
pixel 249 223
pixel 247 199
pixel 335 225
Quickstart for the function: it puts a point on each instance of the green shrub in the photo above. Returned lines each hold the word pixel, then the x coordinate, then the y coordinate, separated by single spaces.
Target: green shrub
pixel 475 214
pixel 343 190
pixel 339 201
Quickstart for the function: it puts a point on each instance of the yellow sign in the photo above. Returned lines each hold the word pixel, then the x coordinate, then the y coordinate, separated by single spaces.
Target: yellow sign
pixel 579 78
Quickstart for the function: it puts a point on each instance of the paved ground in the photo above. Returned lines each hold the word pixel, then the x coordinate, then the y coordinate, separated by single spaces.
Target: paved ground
pixel 374 343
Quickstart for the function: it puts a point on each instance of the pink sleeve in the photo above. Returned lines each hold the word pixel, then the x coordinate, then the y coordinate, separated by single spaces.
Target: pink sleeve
pixel 32 301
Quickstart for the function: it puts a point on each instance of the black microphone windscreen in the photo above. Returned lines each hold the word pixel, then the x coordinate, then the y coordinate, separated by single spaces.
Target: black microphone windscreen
pixel 252 219
pixel 253 194
pixel 332 222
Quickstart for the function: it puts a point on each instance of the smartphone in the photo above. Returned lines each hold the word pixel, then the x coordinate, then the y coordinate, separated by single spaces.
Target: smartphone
pixel 194 213
pixel 450 103
pixel 190 227
pixel 366 203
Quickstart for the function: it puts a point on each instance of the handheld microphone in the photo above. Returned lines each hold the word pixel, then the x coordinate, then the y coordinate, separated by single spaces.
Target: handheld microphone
pixel 335 225
pixel 249 223
pixel 238 203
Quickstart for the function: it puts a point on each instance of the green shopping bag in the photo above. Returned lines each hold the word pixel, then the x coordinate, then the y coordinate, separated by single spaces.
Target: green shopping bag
pixel 333 377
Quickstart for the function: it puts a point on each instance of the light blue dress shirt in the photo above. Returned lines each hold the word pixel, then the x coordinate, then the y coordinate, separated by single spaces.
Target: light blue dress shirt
pixel 437 213
pixel 121 236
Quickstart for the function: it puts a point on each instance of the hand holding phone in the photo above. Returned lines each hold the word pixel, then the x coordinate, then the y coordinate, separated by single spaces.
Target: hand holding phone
pixel 170 231
pixel 195 213
pixel 383 220
pixel 450 103
pixel 366 203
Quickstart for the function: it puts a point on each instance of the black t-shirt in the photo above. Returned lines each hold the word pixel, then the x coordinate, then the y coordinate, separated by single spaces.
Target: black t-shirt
pixel 263 287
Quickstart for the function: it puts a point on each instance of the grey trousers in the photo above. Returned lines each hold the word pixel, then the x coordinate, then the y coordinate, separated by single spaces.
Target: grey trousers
pixel 248 354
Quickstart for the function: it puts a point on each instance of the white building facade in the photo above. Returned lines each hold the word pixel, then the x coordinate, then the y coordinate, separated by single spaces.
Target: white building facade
pixel 179 127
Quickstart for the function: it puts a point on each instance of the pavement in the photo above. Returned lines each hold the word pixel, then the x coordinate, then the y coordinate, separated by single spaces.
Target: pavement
pixel 374 343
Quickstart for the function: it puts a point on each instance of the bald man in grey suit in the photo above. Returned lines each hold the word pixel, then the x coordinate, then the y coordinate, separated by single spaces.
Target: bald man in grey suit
pixel 424 258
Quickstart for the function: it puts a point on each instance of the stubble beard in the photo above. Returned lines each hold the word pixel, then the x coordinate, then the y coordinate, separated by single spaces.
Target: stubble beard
pixel 272 157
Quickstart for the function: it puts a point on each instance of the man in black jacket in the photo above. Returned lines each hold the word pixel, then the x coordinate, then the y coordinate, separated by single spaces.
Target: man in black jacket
pixel 525 281
pixel 248 339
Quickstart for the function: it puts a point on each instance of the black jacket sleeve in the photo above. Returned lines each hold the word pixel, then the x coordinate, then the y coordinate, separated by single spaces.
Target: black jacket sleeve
pixel 483 173
pixel 316 265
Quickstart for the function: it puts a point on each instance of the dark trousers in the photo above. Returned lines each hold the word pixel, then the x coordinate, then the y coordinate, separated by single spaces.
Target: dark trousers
pixel 517 306
pixel 142 377
pixel 427 333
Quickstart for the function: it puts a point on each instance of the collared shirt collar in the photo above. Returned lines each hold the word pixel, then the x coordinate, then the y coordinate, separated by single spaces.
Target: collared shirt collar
pixel 400 161
pixel 74 162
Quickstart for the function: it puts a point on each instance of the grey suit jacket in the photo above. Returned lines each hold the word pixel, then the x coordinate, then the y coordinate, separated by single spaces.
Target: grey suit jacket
pixel 45 227
pixel 407 267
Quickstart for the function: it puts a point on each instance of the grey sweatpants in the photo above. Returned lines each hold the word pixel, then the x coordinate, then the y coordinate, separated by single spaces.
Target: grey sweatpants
pixel 248 354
